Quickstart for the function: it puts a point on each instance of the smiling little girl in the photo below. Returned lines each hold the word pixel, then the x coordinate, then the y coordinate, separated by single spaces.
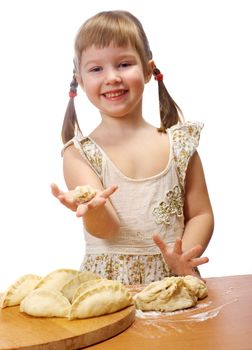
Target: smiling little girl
pixel 151 216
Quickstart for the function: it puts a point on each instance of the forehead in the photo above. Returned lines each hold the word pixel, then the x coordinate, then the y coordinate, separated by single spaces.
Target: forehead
pixel 109 52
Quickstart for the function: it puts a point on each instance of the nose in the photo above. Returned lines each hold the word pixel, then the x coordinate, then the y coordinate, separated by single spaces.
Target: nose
pixel 112 77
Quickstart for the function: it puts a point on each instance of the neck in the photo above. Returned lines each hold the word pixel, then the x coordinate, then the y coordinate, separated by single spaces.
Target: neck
pixel 123 124
pixel 115 130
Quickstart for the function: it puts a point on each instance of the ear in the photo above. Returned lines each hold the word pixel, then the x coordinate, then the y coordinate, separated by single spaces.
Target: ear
pixel 151 66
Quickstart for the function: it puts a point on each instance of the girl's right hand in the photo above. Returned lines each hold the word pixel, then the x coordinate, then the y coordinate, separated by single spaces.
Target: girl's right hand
pixel 66 198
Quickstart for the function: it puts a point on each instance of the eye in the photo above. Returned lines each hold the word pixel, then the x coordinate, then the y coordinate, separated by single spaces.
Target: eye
pixel 95 69
pixel 124 64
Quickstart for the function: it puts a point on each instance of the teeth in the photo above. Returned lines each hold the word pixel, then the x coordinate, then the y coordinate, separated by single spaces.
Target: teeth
pixel 114 94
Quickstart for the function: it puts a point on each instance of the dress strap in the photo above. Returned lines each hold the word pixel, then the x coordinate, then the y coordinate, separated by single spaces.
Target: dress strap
pixel 185 139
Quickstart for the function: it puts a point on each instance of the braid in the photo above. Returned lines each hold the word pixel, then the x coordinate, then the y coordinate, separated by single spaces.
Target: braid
pixel 70 123
pixel 169 110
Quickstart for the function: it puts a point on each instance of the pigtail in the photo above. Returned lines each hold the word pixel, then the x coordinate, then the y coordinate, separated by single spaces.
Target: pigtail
pixel 170 113
pixel 70 123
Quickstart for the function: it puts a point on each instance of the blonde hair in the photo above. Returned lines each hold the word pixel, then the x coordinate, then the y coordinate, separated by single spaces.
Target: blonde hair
pixel 120 28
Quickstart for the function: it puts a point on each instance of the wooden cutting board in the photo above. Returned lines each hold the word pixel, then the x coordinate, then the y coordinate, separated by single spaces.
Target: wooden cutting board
pixel 21 331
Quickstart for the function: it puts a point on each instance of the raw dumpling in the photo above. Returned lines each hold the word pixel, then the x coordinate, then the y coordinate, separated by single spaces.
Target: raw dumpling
pixel 57 279
pixel 44 302
pixel 170 294
pixel 84 194
pixel 19 289
pixel 102 299
pixel 86 286
pixel 71 286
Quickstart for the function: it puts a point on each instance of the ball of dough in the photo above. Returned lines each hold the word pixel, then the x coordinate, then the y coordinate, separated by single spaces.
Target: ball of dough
pixel 84 194
pixel 170 294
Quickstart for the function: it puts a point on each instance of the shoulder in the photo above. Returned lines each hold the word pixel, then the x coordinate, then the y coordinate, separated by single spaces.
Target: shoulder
pixel 72 156
pixel 77 141
pixel 78 144
pixel 86 149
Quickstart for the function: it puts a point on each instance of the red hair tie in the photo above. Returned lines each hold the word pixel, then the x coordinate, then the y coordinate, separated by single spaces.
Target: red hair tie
pixel 158 77
pixel 72 94
pixel 73 86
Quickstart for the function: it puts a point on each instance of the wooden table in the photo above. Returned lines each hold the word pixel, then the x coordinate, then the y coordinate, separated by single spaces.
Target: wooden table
pixel 222 321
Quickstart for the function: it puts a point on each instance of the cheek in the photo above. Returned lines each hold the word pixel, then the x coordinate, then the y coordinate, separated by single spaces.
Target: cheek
pixel 136 77
pixel 89 86
pixel 137 82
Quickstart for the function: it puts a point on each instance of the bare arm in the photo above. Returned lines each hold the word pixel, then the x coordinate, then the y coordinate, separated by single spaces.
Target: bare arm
pixel 99 216
pixel 199 221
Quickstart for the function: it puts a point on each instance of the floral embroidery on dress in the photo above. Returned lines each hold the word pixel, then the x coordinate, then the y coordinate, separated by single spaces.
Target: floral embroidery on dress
pixel 173 205
pixel 185 140
pixel 128 269
pixel 92 153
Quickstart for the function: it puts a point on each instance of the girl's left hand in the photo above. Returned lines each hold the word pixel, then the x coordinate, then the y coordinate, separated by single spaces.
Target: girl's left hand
pixel 179 262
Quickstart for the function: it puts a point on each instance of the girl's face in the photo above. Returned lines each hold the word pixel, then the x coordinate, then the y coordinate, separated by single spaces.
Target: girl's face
pixel 113 79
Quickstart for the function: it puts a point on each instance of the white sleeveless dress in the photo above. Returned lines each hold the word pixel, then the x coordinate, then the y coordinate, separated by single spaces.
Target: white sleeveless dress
pixel 144 206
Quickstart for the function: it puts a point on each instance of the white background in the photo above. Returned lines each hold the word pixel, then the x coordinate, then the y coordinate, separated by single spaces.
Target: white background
pixel 203 49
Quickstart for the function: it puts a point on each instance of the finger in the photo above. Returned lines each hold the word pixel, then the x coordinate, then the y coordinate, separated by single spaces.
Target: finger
pixel 55 190
pixel 199 261
pixel 193 252
pixel 178 246
pixel 109 191
pixel 95 203
pixel 81 210
pixel 67 202
pixel 159 242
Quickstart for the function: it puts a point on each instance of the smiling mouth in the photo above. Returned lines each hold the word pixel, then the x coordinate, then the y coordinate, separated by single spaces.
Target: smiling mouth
pixel 114 94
